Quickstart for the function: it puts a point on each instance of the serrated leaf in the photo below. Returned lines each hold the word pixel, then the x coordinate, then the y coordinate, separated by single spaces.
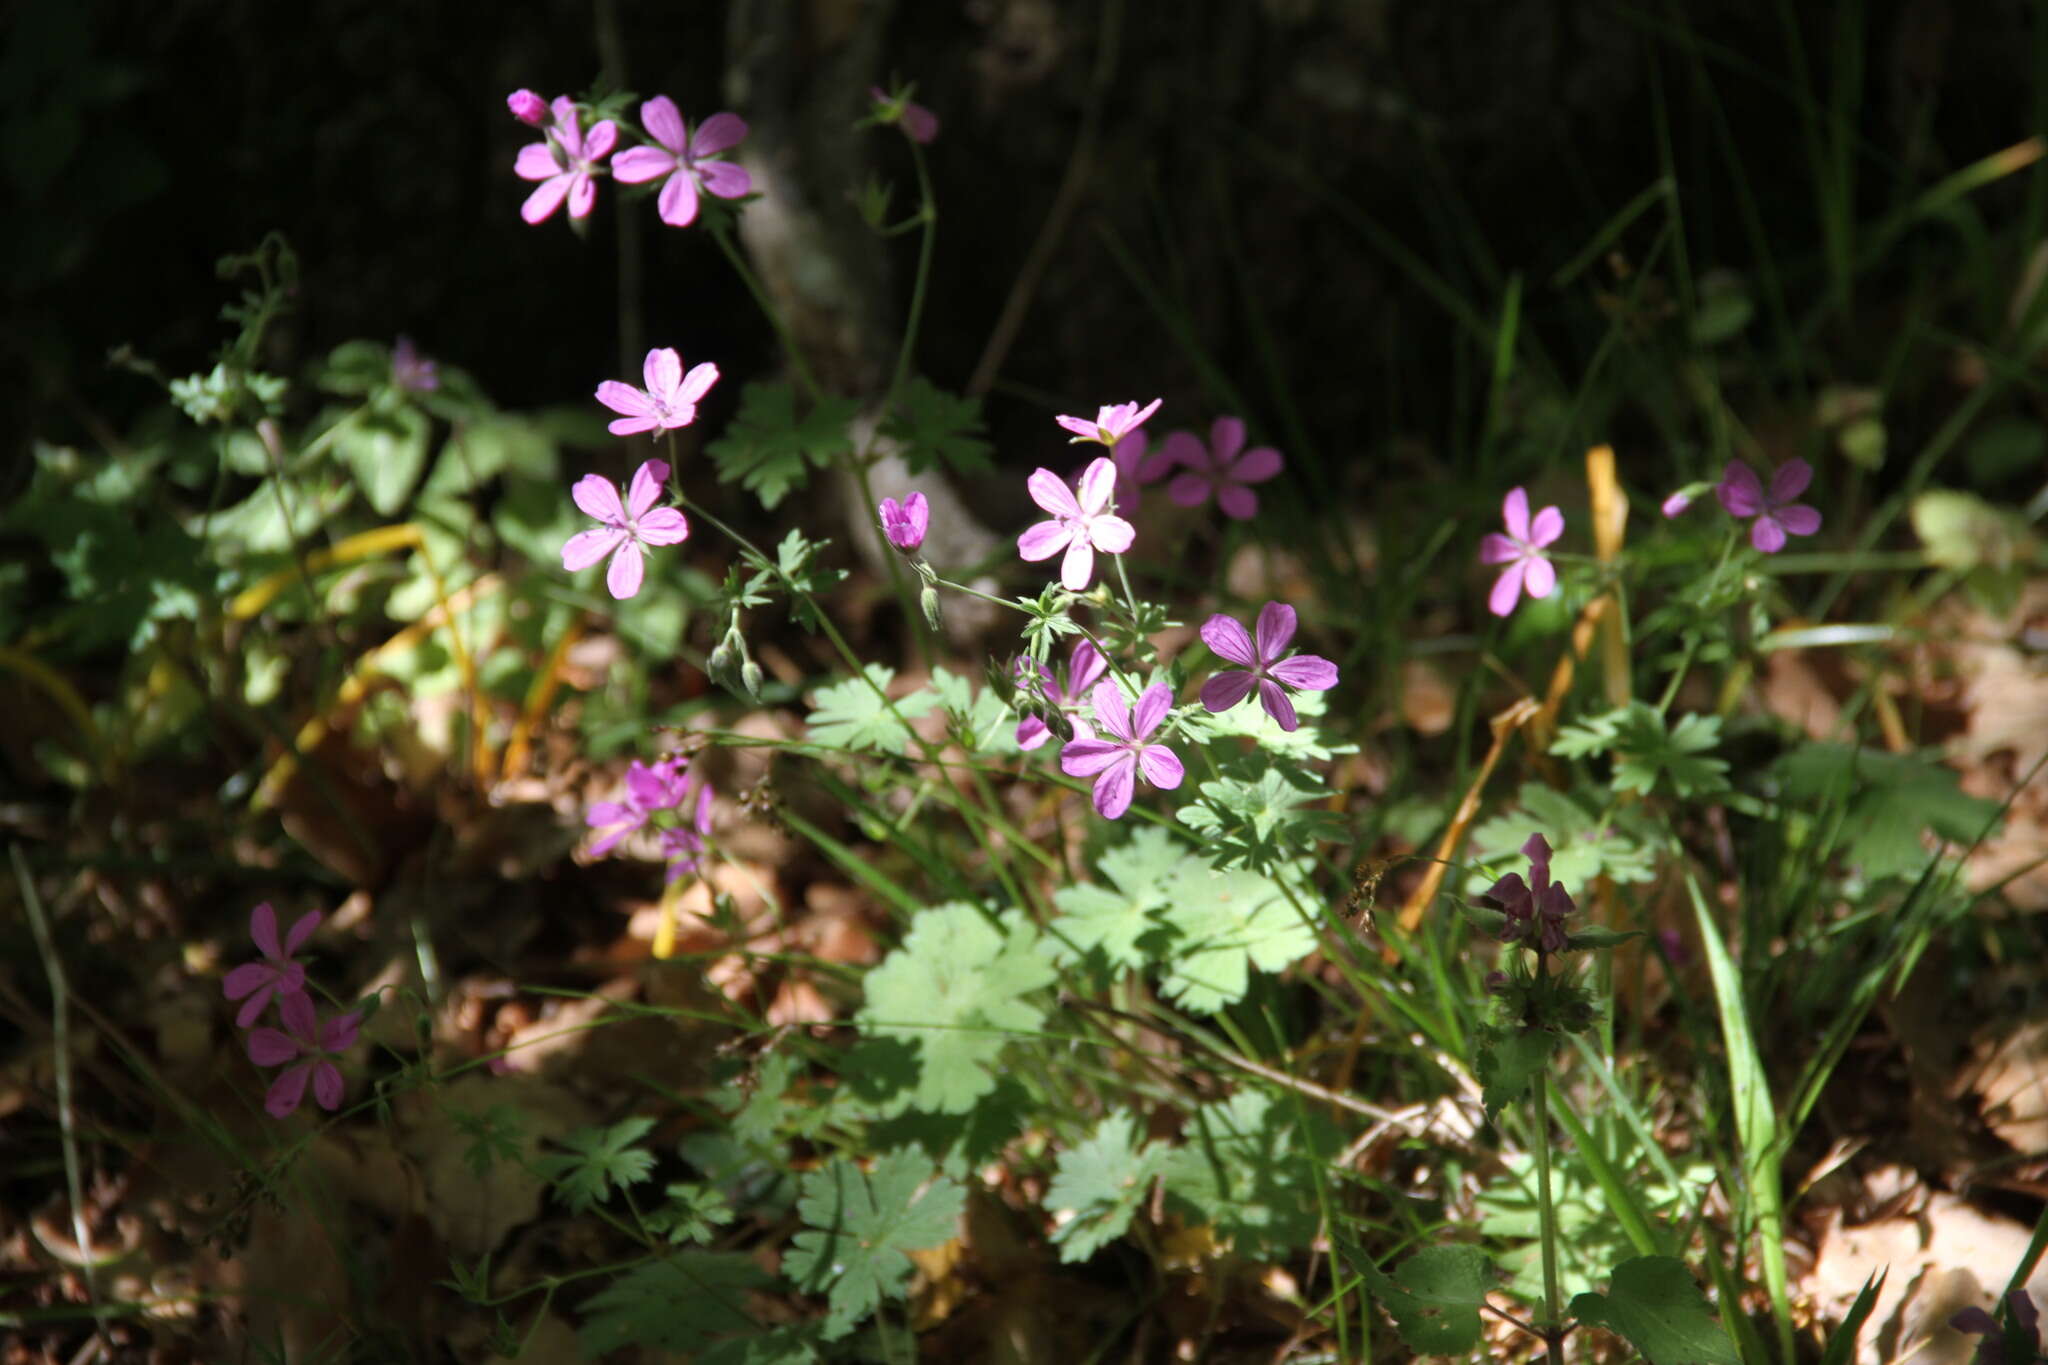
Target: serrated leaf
pixel 1889 800
pixel 385 451
pixel 859 1228
pixel 1244 1166
pixel 1654 1304
pixel 1645 752
pixel 1586 841
pixel 1507 1064
pixel 1224 924
pixel 1101 1182
pixel 598 1160
pixel 957 990
pixel 854 716
pixel 677 1304
pixel 931 425
pixel 1107 922
pixel 769 449
pixel 1434 1297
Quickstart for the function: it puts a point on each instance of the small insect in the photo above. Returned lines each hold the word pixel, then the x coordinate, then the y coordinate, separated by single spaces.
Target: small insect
pixel 1365 889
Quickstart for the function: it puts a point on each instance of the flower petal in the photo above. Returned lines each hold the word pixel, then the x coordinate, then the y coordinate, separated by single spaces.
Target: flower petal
pixel 1229 640
pixel 677 202
pixel 1740 493
pixel 1226 689
pixel 1237 502
pixel 1080 426
pixel 1495 548
pixel 252 1009
pixel 286 1091
pixel 1032 732
pixel 1306 672
pixel 1189 490
pixel 1078 566
pixel 1548 526
pixel 1098 481
pixel 1153 705
pixel 664 526
pixel 268 1047
pixel 1539 577
pixel 1274 629
pixel 536 161
pixel 1799 519
pixel 1111 534
pixel 245 978
pixel 698 382
pixel 724 179
pixel 637 165
pixel 1050 492
pixel 1790 481
pixel 301 1021
pixel 1087 757
pixel 599 498
pixel 1184 448
pixel 662 371
pixel 1256 465
pixel 1085 667
pixel 627 571
pixel 717 133
pixel 1113 788
pixel 1161 766
pixel 301 931
pixel 1767 534
pixel 582 195
pixel 664 123
pixel 647 481
pixel 1112 712
pixel 1044 540
pixel 1514 510
pixel 263 930
pixel 598 143
pixel 545 199
pixel 327 1085
pixel 1226 438
pixel 1506 589
pixel 1536 849
pixel 1277 704
pixel 585 548
pixel 623 398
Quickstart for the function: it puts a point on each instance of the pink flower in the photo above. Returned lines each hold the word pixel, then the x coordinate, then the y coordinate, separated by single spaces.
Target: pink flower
pixel 565 163
pixel 1223 467
pixel 904 523
pixel 314 1043
pixel 1080 525
pixel 278 974
pixel 669 400
pixel 1111 423
pixel 1535 911
pixel 1135 468
pixel 1775 512
pixel 648 789
pixel 919 123
pixel 688 162
pixel 412 371
pixel 683 844
pixel 1116 762
pixel 1676 504
pixel 1085 668
pixel 1521 549
pixel 528 107
pixel 626 527
pixel 1264 664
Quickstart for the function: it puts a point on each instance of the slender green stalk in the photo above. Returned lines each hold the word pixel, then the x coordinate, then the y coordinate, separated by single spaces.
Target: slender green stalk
pixel 797 364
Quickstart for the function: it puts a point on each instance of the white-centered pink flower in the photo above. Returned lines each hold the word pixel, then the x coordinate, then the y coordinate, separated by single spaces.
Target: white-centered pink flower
pixel 1112 422
pixel 1521 549
pixel 669 400
pixel 1081 524
pixel 1264 663
pixel 565 163
pixel 690 161
pixel 1123 748
pixel 1222 468
pixel 626 526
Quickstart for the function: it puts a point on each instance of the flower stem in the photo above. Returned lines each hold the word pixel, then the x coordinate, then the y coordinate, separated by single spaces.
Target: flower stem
pixel 797 363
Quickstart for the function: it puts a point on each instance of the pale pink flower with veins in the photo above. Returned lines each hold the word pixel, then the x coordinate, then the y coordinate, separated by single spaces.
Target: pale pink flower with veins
pixel 565 162
pixel 1264 663
pixel 669 400
pixel 315 1045
pixel 1116 760
pixel 1082 522
pixel 689 161
pixel 1112 422
pixel 648 789
pixel 1743 495
pixel 1521 549
pixel 627 526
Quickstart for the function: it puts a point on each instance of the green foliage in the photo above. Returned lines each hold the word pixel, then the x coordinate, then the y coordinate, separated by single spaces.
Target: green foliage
pixel 1991 545
pixel 981 721
pixel 1645 751
pixel 957 991
pixel 1100 1182
pixel 598 1160
pixel 1223 924
pixel 494 1135
pixel 1654 1304
pixel 1509 1059
pixel 769 449
pixel 1247 1168
pixel 796 569
pixel 857 1229
pixel 1889 800
pixel 1260 813
pixel 680 1303
pixel 385 451
pixel 855 716
pixel 1434 1297
pixel 694 1213
pixel 1103 925
pixel 931 426
pixel 1585 840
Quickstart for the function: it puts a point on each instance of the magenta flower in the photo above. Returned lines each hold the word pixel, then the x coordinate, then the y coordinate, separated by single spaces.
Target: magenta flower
pixel 920 124
pixel 1223 467
pixel 1111 423
pixel 626 527
pixel 412 371
pixel 904 523
pixel 690 163
pixel 1085 667
pixel 278 974
pixel 1775 512
pixel 314 1044
pixel 565 163
pixel 1081 524
pixel 1535 910
pixel 1676 504
pixel 1521 549
pixel 669 400
pixel 648 789
pixel 1264 664
pixel 528 107
pixel 684 844
pixel 1115 762
pixel 1136 468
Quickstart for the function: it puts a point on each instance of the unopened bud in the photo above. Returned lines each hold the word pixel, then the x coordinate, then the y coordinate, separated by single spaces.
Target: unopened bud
pixel 719 666
pixel 527 107
pixel 750 677
pixel 929 600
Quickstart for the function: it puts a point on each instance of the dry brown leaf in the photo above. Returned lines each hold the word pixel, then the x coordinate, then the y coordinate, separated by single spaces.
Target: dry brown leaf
pixel 2011 1081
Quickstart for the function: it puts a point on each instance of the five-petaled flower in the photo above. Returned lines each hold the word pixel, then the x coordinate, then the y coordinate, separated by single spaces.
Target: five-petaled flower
pixel 1085 667
pixel 1776 514
pixel 1082 522
pixel 905 522
pixel 313 1044
pixel 1521 549
pixel 669 400
pixel 565 163
pixel 683 844
pixel 648 789
pixel 1136 465
pixel 919 124
pixel 1265 664
pixel 690 161
pixel 1222 467
pixel 1115 760
pixel 1112 423
pixel 277 974
pixel 1535 910
pixel 626 527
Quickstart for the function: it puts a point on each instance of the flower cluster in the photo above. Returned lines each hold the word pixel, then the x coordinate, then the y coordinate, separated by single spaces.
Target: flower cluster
pixel 306 1046
pixel 669 785
pixel 1537 909
pixel 568 160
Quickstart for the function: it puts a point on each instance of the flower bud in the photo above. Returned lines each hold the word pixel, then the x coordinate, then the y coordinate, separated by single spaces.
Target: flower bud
pixel 904 523
pixel 528 107
pixel 929 600
pixel 750 678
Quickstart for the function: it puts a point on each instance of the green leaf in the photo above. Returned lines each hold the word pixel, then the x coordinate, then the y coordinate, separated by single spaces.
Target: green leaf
pixel 859 1227
pixel 1434 1297
pixel 1104 924
pixel 1260 813
pixel 1645 753
pixel 1101 1182
pixel 1655 1305
pixel 768 448
pixel 956 988
pixel 677 1304
pixel 385 451
pixel 598 1159
pixel 1888 800
pixel 1248 720
pixel 1586 840
pixel 1508 1062
pixel 1246 1166
pixel 694 1213
pixel 931 425
pixel 1226 923
pixel 853 716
